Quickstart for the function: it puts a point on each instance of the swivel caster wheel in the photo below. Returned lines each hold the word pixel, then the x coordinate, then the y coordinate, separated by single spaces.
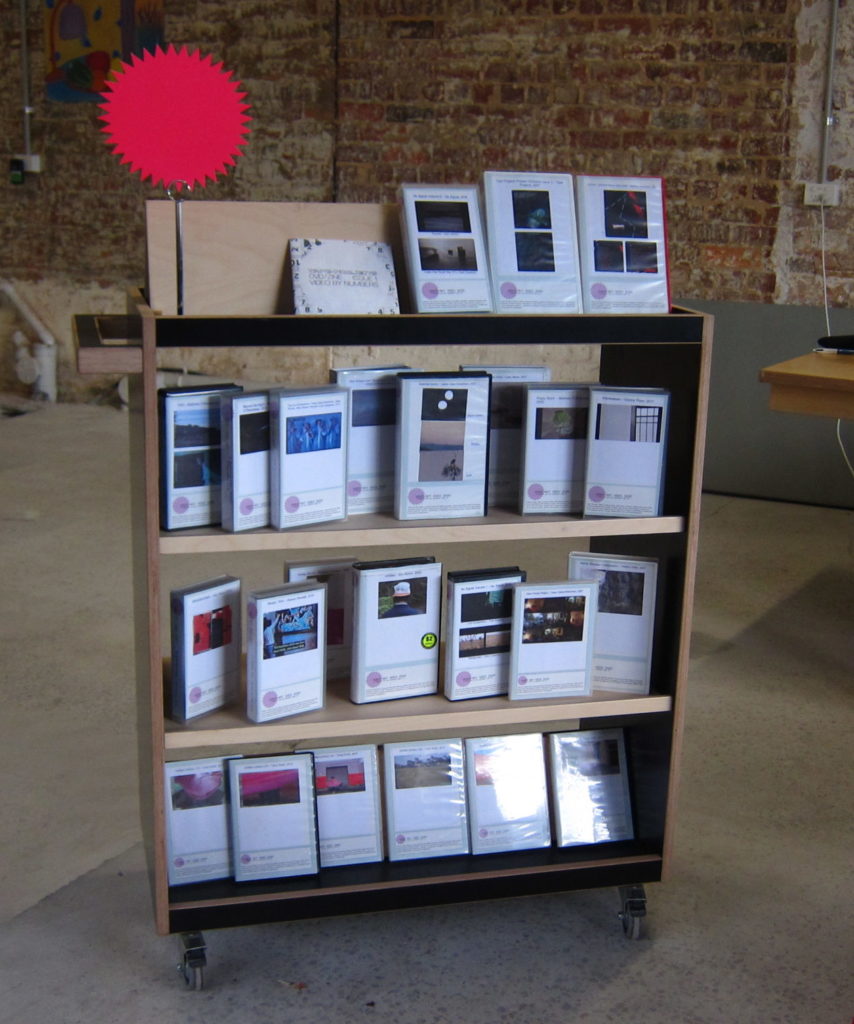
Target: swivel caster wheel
pixel 633 912
pixel 192 965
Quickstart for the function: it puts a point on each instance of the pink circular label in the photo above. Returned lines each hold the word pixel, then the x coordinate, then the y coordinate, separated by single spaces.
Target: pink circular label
pixel 270 699
pixel 509 290
pixel 598 291
pixel 178 862
pixel 596 494
pixel 416 496
pixel 536 491
pixel 430 290
pixel 354 489
pixel 522 680
pixel 483 833
pixel 180 505
pixel 374 679
pixel 463 678
pixel 247 506
pixel 399 839
pixel 291 504
pixel 245 859
pixel 195 695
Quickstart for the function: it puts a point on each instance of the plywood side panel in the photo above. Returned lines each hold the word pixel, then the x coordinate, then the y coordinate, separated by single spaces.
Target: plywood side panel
pixel 235 254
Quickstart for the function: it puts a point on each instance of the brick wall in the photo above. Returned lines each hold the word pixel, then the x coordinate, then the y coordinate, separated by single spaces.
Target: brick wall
pixel 349 99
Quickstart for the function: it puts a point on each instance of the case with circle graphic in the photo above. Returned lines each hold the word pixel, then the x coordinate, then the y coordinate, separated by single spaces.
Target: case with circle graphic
pixel 442 445
pixel 478 624
pixel 285 650
pixel 396 618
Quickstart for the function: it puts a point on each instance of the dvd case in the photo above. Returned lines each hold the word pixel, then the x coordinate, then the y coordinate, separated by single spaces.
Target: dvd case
pixel 626 449
pixel 308 455
pixel 273 823
pixel 590 787
pixel 198 843
pixel 349 805
pixel 622 232
pixel 396 619
pixel 334 276
pixel 370 447
pixel 533 242
pixel 554 448
pixel 191 455
pixel 337 574
pixel 478 619
pixel 445 248
pixel 245 425
pixel 285 650
pixel 507 793
pixel 442 449
pixel 206 643
pixel 425 799
pixel 625 618
pixel 506 421
pixel 551 645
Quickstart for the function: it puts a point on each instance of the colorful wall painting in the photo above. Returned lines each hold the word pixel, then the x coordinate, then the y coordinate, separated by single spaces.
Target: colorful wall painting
pixel 86 39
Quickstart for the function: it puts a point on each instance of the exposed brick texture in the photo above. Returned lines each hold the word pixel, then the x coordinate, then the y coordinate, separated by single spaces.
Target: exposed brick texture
pixel 350 99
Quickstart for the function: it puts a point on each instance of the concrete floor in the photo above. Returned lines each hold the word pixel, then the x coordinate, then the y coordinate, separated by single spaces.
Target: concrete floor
pixel 754 926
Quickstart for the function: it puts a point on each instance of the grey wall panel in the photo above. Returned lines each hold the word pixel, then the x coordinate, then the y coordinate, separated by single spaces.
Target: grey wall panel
pixel 752 451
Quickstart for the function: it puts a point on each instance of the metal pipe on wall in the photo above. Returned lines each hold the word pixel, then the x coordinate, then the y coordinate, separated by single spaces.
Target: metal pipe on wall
pixel 829 117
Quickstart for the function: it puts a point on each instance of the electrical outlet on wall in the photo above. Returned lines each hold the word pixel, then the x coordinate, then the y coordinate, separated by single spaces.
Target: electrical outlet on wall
pixel 30 162
pixel 824 193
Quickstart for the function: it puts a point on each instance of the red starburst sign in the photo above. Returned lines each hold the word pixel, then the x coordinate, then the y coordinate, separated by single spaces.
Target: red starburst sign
pixel 175 116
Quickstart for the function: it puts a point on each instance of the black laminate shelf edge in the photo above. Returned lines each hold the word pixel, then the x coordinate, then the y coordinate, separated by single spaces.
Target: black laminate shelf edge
pixel 309 331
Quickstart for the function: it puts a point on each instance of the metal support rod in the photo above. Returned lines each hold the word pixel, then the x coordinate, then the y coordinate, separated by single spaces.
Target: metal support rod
pixel 176 193
pixel 25 79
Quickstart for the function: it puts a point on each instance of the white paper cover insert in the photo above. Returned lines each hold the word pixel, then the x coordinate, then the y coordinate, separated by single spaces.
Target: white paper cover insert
pixel 425 799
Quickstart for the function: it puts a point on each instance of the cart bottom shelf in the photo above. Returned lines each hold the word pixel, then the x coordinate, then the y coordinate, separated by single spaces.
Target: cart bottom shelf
pixel 399 885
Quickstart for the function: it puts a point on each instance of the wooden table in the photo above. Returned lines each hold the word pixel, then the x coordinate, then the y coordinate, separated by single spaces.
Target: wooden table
pixel 818 383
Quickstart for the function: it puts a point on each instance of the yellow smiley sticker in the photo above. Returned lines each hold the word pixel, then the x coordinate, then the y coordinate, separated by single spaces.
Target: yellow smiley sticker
pixel 429 640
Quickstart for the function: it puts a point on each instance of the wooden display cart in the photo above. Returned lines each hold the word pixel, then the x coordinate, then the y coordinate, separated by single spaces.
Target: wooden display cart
pixel 671 351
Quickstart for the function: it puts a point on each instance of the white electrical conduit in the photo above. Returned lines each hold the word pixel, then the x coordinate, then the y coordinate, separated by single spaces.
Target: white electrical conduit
pixel 45 351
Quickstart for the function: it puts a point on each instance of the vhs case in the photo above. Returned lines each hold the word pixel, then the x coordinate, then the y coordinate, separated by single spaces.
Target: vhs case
pixel 245 423
pixel 396 621
pixel 622 240
pixel 425 799
pixel 626 450
pixel 371 437
pixel 190 455
pixel 337 575
pixel 206 643
pixel 625 618
pixel 533 242
pixel 553 625
pixel 478 624
pixel 285 650
pixel 308 455
pixel 506 422
pixel 349 805
pixel 590 786
pixel 337 276
pixel 198 842
pixel 273 820
pixel 507 793
pixel 554 448
pixel 445 249
pixel 442 449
